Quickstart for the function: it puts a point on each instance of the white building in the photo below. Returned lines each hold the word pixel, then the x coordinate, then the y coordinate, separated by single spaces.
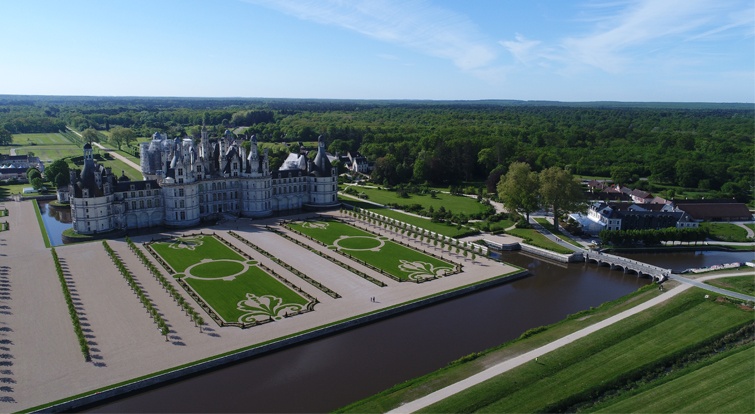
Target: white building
pixel 185 185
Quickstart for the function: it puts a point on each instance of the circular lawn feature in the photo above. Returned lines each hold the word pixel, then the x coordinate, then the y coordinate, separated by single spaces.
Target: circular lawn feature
pixel 216 269
pixel 359 243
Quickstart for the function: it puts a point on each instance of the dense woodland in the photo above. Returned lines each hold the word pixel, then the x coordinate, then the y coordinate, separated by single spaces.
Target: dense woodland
pixel 691 146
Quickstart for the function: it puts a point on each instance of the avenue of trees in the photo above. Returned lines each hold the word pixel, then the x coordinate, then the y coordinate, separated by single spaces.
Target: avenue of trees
pixel 700 147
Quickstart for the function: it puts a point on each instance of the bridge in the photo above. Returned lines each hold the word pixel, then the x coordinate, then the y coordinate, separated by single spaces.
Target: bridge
pixel 627 265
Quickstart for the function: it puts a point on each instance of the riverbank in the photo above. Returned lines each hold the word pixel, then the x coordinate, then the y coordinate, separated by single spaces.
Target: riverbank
pixel 125 344
pixel 542 347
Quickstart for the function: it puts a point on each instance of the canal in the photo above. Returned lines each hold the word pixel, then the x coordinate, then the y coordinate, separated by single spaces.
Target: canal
pixel 331 372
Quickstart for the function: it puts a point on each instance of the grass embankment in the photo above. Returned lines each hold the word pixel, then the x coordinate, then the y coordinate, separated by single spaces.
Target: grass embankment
pixel 681 336
pixel 726 232
pixel 548 377
pixel 549 226
pixel 741 284
pixel 535 238
pixel 41 224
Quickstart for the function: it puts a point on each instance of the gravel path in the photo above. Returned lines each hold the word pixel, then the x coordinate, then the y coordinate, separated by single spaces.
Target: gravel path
pixel 36 330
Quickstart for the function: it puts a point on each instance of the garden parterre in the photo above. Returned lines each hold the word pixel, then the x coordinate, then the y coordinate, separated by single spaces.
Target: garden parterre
pixel 402 262
pixel 237 289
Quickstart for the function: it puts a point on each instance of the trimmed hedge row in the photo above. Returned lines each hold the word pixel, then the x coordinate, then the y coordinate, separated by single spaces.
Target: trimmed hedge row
pixel 285 265
pixel 165 283
pixel 146 302
pixel 332 259
pixel 71 308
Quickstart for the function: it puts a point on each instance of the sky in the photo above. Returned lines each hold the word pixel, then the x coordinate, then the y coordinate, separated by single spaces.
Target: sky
pixel 560 50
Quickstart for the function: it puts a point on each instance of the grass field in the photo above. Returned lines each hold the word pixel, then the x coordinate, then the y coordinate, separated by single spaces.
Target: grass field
pixel 183 252
pixel 726 232
pixel 445 229
pixel 237 289
pixel 724 386
pixel 393 258
pixel 610 362
pixel 535 238
pixel 455 204
pixel 549 226
pixel 741 284
pixel 225 295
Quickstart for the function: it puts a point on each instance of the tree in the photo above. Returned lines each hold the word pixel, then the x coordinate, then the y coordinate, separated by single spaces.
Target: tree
pixel 518 189
pixel 37 183
pixel 5 137
pixel 33 173
pixel 121 136
pixel 58 173
pixel 90 135
pixel 561 191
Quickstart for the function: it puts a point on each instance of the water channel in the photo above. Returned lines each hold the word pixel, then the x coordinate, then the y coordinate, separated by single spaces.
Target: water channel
pixel 333 371
pixel 56 221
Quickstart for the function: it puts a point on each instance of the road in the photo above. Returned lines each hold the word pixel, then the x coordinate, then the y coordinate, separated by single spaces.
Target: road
pixel 113 153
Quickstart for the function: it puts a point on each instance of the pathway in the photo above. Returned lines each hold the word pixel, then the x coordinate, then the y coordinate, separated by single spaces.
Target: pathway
pixel 112 152
pixel 750 232
pixel 505 366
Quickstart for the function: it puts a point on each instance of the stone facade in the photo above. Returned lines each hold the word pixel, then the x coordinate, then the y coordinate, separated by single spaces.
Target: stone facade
pixel 185 184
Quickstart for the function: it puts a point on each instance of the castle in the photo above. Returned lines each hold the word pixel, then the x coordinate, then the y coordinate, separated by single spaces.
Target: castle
pixel 184 185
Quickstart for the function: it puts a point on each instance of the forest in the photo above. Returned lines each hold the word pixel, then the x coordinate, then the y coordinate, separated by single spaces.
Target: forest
pixel 695 146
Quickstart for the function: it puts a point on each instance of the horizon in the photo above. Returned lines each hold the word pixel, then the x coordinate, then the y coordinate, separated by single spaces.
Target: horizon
pixel 641 51
pixel 399 100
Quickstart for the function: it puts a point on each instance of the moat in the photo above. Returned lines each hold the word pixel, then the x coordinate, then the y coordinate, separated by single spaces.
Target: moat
pixel 334 371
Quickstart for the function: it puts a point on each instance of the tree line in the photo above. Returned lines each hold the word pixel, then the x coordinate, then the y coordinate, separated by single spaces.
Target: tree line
pixel 700 147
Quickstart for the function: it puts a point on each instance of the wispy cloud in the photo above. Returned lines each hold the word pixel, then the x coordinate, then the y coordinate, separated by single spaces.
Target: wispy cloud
pixel 414 24
pixel 620 35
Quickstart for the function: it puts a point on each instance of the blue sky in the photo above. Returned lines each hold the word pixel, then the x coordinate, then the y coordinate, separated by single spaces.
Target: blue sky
pixel 621 50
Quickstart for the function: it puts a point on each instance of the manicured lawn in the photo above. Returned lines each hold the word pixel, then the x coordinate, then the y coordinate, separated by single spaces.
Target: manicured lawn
pixel 549 226
pixel 48 147
pixel 741 284
pixel 726 232
pixel 456 204
pixel 724 386
pixel 184 252
pixel 393 258
pixel 606 360
pixel 249 296
pixel 216 269
pixel 224 295
pixel 446 229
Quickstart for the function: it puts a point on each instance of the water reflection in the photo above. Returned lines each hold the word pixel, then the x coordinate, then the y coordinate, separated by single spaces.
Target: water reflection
pixel 56 221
